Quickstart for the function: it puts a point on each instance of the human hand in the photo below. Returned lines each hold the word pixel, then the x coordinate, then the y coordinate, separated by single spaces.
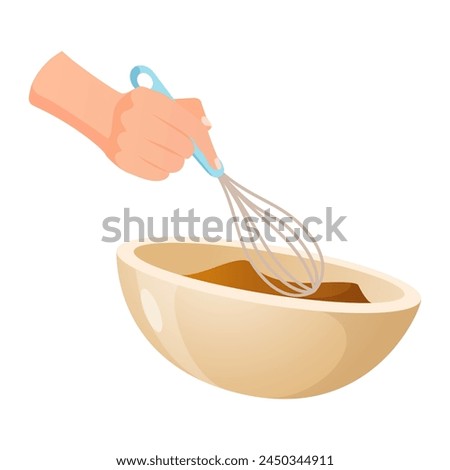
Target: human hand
pixel 152 135
pixel 142 131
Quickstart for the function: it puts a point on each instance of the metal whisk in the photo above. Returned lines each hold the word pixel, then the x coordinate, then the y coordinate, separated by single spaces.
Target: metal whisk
pixel 261 222
pixel 261 219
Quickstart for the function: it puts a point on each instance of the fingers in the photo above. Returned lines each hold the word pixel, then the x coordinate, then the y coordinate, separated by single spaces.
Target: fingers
pixel 155 153
pixel 156 134
pixel 160 157
pixel 176 114
pixel 139 167
pixel 160 133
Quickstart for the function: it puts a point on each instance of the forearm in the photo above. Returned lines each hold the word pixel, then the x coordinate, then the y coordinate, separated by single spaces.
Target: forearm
pixel 67 91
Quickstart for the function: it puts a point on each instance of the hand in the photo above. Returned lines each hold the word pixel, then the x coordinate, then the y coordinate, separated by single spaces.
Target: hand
pixel 152 135
pixel 143 132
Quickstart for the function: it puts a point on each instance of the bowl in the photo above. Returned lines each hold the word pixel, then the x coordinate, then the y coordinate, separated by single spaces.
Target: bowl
pixel 260 344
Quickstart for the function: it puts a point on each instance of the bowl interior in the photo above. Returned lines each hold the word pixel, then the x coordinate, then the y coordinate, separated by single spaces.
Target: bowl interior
pixel 189 258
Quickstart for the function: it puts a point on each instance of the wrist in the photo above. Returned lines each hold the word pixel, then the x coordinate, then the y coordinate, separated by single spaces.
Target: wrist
pixel 70 93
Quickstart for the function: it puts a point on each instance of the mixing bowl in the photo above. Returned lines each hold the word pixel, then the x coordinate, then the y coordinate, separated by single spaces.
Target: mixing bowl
pixel 254 343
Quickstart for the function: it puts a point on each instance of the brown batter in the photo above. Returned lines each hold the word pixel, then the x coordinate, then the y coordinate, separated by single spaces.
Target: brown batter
pixel 241 275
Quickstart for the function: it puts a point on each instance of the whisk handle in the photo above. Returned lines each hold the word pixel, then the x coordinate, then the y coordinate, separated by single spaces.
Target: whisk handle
pixel 160 88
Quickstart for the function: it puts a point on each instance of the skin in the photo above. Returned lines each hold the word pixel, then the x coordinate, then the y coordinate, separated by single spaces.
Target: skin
pixel 143 132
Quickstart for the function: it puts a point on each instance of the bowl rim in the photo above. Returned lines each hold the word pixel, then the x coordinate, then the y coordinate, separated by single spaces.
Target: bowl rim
pixel 411 298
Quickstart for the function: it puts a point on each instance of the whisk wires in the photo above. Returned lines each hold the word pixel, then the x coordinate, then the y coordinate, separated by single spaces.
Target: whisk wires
pixel 240 197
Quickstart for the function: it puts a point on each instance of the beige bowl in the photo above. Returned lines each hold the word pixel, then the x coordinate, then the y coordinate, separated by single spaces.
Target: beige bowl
pixel 260 344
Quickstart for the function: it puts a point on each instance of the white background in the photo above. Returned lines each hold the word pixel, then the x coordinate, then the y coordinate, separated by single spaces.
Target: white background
pixel 314 104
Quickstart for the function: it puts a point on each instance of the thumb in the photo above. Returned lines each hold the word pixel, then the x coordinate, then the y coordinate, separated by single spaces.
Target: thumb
pixel 201 136
pixel 195 107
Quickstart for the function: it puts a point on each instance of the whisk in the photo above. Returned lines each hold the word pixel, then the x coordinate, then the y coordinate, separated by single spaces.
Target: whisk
pixel 261 219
